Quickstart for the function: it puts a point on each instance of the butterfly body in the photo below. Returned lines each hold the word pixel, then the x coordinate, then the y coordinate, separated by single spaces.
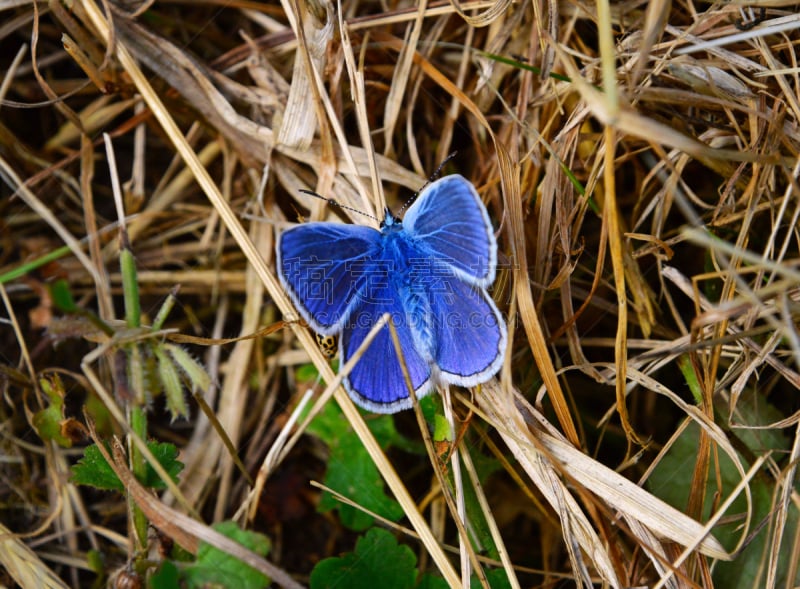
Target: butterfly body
pixel 429 271
pixel 409 280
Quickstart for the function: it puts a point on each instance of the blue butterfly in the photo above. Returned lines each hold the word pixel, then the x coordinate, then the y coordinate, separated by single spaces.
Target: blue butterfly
pixel 429 272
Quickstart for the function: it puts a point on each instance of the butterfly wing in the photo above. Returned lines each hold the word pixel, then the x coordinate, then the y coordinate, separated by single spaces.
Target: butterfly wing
pixel 377 383
pixel 449 223
pixel 471 334
pixel 323 266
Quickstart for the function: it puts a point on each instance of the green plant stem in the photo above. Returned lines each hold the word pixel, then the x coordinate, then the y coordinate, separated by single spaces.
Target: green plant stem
pixel 130 288
pixel 138 421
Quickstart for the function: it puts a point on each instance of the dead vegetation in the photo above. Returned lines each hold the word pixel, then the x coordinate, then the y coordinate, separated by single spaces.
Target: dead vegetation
pixel 640 160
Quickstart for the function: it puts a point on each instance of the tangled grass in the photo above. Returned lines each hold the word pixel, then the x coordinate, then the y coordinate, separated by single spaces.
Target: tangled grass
pixel 640 161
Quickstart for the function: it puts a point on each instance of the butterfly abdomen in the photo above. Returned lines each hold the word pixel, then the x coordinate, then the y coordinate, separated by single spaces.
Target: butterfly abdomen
pixel 419 317
pixel 412 281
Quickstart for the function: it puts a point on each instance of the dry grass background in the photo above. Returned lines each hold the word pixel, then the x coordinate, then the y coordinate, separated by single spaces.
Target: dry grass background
pixel 639 158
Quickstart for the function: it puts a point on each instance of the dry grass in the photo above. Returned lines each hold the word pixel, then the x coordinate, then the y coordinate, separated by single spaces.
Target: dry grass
pixel 641 161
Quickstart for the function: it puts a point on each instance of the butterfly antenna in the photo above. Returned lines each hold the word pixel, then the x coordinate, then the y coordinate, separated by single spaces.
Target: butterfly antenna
pixel 336 203
pixel 433 177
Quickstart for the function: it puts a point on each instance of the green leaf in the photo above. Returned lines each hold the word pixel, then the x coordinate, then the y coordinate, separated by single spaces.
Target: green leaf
pixel 672 478
pixel 306 373
pixel 93 470
pixel 166 577
pixel 98 412
pixel 62 297
pixel 48 421
pixel 167 456
pixel 430 581
pixel 377 556
pixel 481 534
pixel 690 376
pixel 215 568
pixel 194 370
pixel 351 471
pixel 170 383
pixel 442 432
pixel 96 561
pixel 31 265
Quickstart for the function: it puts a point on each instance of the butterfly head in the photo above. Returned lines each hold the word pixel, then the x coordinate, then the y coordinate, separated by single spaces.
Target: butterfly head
pixel 390 223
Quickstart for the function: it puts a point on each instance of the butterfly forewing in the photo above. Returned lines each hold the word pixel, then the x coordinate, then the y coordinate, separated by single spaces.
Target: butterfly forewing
pixel 450 224
pixel 323 266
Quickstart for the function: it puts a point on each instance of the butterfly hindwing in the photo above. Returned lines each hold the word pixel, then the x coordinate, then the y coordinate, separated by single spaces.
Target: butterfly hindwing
pixel 322 266
pixel 377 382
pixel 471 334
pixel 449 223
